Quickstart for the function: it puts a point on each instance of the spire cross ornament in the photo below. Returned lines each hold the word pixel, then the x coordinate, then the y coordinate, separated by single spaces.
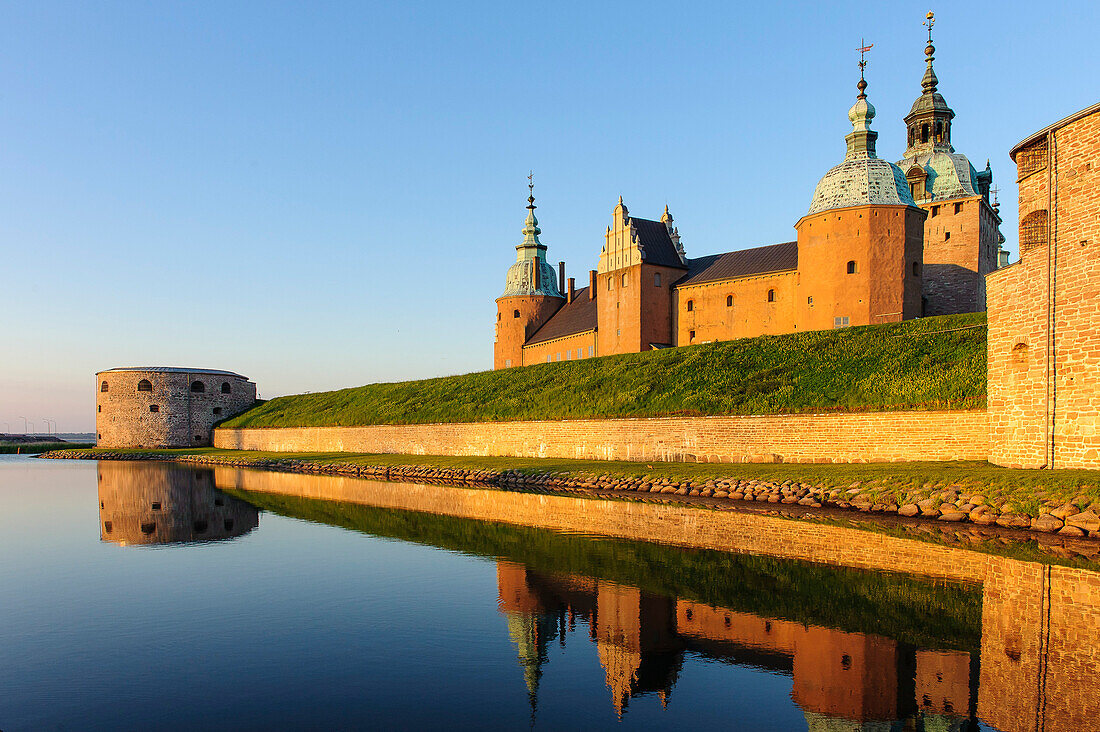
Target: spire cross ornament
pixel 930 21
pixel 864 47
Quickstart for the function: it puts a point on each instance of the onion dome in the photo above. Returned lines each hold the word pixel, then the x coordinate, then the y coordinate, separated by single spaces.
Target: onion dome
pixel 863 178
pixel 531 274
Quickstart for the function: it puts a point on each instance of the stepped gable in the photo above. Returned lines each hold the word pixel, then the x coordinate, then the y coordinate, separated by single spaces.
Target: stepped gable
pixel 575 317
pixel 656 244
pixel 741 263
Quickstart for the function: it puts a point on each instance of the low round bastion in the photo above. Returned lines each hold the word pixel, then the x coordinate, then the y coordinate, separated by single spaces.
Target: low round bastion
pixel 164 406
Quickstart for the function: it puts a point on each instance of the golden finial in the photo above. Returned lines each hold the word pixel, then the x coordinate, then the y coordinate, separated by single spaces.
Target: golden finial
pixel 930 20
pixel 864 47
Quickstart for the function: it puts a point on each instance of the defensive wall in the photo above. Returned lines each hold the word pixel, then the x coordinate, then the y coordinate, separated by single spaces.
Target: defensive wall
pixel 844 437
pixel 1038 655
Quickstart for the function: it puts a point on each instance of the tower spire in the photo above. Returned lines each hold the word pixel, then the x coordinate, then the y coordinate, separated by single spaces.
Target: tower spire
pixel 864 47
pixel 861 140
pixel 929 83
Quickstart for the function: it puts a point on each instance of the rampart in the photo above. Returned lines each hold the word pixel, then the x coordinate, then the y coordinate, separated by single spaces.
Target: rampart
pixel 847 437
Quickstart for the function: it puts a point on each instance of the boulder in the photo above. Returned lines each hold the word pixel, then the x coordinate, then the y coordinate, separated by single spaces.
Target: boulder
pixel 1047 523
pixel 1086 521
pixel 909 509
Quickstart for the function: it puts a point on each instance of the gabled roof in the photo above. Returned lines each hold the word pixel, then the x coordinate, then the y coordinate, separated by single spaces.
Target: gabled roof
pixel 742 263
pixel 657 246
pixel 574 317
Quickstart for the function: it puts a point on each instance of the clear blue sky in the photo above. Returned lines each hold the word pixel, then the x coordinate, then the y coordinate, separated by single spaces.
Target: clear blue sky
pixel 323 194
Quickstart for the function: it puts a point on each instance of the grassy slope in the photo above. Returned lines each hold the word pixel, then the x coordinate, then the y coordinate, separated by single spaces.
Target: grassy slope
pixel 912 365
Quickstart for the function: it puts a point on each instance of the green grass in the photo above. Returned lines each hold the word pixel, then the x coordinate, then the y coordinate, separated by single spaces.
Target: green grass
pixel 34 448
pixel 911 365
pixel 912 610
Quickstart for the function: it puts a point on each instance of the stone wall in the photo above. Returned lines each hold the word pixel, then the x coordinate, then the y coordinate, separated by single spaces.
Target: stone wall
pixel 859 437
pixel 163 407
pixel 1044 345
pixel 961 241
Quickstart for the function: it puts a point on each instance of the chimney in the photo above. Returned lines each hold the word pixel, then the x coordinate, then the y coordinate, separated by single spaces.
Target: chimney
pixel 572 290
pixel 591 284
pixel 536 266
pixel 561 276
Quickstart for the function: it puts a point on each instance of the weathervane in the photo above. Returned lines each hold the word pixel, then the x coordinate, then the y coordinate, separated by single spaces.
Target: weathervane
pixel 864 47
pixel 531 190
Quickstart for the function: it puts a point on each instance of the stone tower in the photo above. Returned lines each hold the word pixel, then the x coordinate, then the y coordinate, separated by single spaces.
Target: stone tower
pixel 640 261
pixel 531 294
pixel 859 246
pixel 962 238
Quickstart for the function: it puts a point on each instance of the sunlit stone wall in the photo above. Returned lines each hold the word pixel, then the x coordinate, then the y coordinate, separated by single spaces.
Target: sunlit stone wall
pixel 868 437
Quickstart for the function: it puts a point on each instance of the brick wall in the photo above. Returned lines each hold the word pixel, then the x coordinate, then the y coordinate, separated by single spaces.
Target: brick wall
pixel 751 314
pixel 1044 345
pixel 869 437
pixel 960 248
pixel 569 348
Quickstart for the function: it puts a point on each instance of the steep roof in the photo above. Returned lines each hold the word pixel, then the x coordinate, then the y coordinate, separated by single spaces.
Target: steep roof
pixel 743 263
pixel 575 317
pixel 657 246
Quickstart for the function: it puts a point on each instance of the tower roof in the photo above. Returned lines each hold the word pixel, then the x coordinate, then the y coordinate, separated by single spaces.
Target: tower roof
pixel 863 178
pixel 929 109
pixel 531 274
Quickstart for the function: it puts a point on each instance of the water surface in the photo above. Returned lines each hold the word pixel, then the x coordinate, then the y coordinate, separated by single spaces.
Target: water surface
pixel 150 596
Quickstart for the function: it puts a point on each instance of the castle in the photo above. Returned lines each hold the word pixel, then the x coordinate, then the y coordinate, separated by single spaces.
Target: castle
pixel 881 242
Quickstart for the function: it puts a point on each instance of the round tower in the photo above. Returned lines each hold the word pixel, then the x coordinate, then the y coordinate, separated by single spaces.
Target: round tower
pixel 531 294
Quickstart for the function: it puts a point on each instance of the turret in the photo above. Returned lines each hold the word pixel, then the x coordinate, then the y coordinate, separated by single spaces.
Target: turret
pixel 531 293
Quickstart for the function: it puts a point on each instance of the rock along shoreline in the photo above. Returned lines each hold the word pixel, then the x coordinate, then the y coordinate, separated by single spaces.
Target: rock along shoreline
pixel 947 506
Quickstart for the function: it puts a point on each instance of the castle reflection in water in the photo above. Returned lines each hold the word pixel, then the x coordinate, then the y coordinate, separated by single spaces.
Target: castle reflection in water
pixel 147 503
pixel 858 680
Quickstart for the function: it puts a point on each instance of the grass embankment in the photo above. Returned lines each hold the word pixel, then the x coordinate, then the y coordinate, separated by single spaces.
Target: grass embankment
pixel 34 448
pixel 932 363
pixel 924 613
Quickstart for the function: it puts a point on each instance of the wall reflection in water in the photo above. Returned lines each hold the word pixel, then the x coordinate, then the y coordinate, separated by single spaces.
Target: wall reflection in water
pixel 145 503
pixel 642 638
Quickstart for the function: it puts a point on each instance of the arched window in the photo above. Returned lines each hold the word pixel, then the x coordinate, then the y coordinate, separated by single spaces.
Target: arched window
pixel 924 133
pixel 226 388
pixel 691 305
pixel 515 313
pixel 1033 230
pixel 771 295
pixel 851 266
pixel 198 387
pixel 729 301
pixel 624 279
pixel 916 269
pixel 103 386
pixel 656 279
pixel 145 385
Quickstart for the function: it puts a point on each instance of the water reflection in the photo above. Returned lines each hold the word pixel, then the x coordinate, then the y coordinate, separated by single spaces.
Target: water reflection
pixel 146 503
pixel 642 639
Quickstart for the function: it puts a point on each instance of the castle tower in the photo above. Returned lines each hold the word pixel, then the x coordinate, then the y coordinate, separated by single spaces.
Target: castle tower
pixel 962 238
pixel 859 247
pixel 531 294
pixel 640 261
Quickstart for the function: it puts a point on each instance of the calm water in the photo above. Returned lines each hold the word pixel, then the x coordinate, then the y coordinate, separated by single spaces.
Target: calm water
pixel 140 596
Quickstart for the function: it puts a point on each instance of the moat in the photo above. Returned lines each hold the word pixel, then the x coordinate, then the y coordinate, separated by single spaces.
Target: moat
pixel 155 596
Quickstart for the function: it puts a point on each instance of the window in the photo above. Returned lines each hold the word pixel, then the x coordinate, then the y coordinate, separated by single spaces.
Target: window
pixel 810 300
pixel 1033 230
pixel 515 313
pixel 198 438
pixel 103 386
pixel 916 269
pixel 851 266
pixel 228 524
pixel 498 317
pixel 217 411
pixel 591 351
pixel 729 301
pixel 840 321
pixel 198 387
pixel 507 362
pixel 657 279
pixel 548 358
pixel 947 236
pixel 226 388
pixel 691 335
pixel 691 305
pixel 154 408
pixel 108 526
pixel 155 505
pixel 144 385
pixel 608 283
pixel 846 662
pixel 200 526
pixel 99 408
pixel 924 133
pixel 958 208
pixel 771 295
pixel 149 528
pixel 624 279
